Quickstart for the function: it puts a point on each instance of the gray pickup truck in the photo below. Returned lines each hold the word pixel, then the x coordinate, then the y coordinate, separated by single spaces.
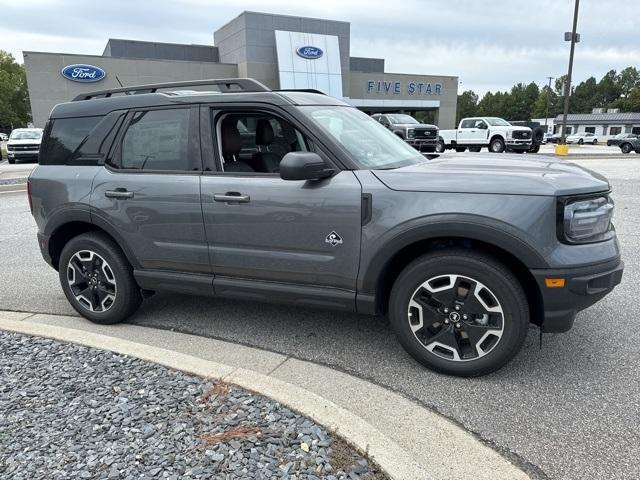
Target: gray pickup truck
pixel 297 197
pixel 422 136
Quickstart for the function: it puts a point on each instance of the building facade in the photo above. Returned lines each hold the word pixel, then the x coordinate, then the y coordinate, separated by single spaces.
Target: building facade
pixel 602 124
pixel 280 51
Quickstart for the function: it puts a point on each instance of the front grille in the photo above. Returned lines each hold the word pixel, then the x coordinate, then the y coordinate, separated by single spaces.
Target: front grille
pixel 22 148
pixel 425 133
pixel 521 134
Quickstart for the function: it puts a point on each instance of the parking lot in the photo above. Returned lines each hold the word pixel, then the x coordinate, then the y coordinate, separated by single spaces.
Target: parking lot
pixel 569 409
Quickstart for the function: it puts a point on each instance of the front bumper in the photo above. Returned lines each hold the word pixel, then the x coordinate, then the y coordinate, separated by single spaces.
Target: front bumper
pixel 513 144
pixel 23 154
pixel 422 142
pixel 584 286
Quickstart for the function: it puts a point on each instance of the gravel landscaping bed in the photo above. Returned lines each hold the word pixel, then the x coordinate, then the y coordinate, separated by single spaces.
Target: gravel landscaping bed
pixel 68 411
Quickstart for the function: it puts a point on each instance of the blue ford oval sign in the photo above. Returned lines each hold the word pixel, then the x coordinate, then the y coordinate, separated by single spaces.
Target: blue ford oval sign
pixel 83 73
pixel 309 52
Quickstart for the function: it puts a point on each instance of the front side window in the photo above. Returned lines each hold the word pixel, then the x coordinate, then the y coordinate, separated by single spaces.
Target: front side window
pixel 368 143
pixel 157 140
pixel 256 142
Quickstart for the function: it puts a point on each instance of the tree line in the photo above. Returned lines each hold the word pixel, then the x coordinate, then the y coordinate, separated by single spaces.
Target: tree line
pixel 524 102
pixel 15 110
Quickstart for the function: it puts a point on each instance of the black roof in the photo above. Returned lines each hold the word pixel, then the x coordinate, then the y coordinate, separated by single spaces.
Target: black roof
pixel 178 93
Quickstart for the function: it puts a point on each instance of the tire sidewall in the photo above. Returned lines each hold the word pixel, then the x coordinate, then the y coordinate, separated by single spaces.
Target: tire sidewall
pixel 508 293
pixel 126 289
pixel 499 141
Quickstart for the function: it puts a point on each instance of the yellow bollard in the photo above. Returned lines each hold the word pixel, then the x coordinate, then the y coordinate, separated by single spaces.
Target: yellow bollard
pixel 562 150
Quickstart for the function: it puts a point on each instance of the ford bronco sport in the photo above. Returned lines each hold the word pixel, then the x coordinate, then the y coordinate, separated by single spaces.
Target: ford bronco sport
pixel 297 197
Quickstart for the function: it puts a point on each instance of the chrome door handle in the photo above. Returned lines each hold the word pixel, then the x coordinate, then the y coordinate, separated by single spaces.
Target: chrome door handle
pixel 118 193
pixel 231 197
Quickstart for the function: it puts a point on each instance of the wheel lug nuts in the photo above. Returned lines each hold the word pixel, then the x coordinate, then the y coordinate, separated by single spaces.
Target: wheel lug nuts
pixel 446 310
pixel 465 316
pixel 458 325
pixel 446 322
pixel 457 307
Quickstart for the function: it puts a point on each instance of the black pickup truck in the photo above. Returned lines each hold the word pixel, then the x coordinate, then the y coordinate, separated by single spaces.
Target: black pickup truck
pixel 421 136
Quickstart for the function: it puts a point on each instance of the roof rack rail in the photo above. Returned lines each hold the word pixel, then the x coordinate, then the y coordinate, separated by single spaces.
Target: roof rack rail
pixel 304 90
pixel 225 85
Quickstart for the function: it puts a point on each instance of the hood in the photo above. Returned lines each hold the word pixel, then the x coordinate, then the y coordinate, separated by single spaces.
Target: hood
pixel 414 125
pixel 509 174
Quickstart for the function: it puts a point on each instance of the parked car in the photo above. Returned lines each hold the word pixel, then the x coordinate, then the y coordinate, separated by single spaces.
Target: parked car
pixel 146 192
pixel 421 136
pixel 494 133
pixel 630 145
pixel 553 138
pixel 583 137
pixel 537 136
pixel 620 138
pixel 24 144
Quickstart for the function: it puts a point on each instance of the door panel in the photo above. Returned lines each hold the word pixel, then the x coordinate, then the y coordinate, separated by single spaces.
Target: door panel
pixel 160 219
pixel 280 232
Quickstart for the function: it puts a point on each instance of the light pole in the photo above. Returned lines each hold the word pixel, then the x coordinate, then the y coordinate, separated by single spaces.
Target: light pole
pixel 546 117
pixel 574 37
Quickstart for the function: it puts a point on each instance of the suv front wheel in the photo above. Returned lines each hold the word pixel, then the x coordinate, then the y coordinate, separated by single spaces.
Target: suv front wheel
pixel 97 279
pixel 459 312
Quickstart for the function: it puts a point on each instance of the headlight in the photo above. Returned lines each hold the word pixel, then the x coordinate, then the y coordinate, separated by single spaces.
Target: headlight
pixel 588 220
pixel 509 133
pixel 411 133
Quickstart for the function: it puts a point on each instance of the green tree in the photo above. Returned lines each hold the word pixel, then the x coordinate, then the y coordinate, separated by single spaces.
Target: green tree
pixel 585 97
pixel 467 105
pixel 609 89
pixel 14 96
pixel 629 80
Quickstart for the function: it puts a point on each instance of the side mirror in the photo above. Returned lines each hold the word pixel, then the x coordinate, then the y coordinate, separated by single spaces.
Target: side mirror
pixel 304 166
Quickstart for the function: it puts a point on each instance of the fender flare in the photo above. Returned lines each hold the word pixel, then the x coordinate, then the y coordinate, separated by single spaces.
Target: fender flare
pixel 492 232
pixel 399 133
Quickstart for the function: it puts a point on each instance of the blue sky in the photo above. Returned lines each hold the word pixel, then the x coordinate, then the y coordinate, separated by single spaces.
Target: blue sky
pixel 489 44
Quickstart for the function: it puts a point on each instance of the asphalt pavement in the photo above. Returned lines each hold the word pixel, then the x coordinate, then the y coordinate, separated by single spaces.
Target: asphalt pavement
pixel 567 410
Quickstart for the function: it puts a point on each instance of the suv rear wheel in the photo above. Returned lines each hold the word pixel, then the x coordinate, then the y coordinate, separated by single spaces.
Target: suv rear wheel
pixel 459 312
pixel 626 148
pixel 97 279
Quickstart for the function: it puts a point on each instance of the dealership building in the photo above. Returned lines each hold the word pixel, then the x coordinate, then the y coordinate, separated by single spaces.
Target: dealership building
pixel 280 51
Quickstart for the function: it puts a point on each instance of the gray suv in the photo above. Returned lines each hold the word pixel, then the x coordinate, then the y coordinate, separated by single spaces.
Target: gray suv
pixel 296 197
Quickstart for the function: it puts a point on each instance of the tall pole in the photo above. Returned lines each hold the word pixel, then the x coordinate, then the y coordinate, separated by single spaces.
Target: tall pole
pixel 567 88
pixel 546 117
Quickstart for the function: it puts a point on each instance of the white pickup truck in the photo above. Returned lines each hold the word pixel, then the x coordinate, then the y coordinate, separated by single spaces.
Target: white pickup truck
pixel 494 133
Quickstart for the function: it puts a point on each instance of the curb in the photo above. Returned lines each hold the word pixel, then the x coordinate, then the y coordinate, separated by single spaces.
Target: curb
pixel 393 431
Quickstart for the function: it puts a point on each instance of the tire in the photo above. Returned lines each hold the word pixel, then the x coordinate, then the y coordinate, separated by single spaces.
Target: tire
pixel 496 145
pixel 580 142
pixel 464 270
pixel 460 149
pixel 626 148
pixel 537 135
pixel 440 148
pixel 534 149
pixel 595 141
pixel 113 277
pixel 11 160
pixel 475 149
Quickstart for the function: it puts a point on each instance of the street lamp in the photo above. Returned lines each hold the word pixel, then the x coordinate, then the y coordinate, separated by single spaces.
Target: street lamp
pixel 573 37
pixel 546 117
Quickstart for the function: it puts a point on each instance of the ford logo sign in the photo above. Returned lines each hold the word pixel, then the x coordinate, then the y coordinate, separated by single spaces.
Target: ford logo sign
pixel 83 73
pixel 309 52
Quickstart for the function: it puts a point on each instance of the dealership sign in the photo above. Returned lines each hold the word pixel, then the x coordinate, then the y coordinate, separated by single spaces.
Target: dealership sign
pixel 396 88
pixel 309 52
pixel 83 73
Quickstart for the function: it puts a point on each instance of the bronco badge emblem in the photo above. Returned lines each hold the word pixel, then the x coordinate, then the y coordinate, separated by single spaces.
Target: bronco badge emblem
pixel 333 239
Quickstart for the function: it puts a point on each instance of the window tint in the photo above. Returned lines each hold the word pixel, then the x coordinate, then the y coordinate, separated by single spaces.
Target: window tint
pixel 590 131
pixel 64 137
pixel 467 123
pixel 157 140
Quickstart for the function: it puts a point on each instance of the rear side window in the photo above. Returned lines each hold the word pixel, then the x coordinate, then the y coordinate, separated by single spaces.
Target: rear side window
pixel 63 137
pixel 467 123
pixel 158 140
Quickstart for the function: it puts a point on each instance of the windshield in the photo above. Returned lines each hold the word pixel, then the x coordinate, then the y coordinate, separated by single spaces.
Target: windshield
pixel 401 118
pixel 26 135
pixel 497 122
pixel 369 144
